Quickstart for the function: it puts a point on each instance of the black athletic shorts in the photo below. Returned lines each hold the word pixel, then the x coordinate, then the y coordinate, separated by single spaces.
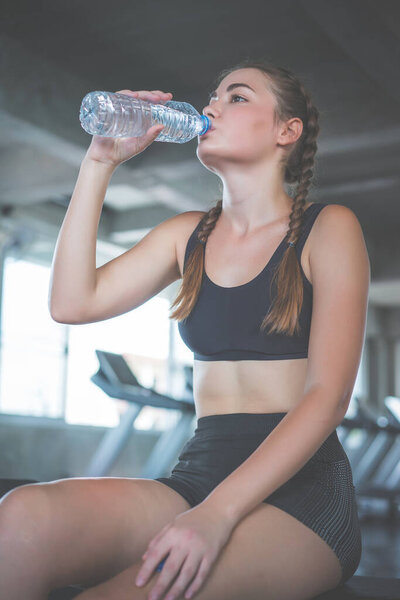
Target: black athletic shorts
pixel 321 494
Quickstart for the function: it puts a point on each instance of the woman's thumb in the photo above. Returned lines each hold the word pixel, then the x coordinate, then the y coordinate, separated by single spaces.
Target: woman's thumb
pixel 157 129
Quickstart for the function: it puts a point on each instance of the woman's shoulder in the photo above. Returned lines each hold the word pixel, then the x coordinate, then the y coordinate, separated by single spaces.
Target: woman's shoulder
pixel 188 222
pixel 330 215
pixel 335 225
pixel 192 216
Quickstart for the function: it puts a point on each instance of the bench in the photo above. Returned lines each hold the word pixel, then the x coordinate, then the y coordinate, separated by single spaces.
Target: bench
pixel 357 587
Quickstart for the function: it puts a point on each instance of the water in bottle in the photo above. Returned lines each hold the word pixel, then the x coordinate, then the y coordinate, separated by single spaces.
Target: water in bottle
pixel 118 115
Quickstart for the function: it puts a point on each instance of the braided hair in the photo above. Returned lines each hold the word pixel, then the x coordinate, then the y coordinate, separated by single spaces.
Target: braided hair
pixel 292 100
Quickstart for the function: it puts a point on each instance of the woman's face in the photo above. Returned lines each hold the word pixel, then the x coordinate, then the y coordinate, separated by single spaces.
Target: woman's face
pixel 243 122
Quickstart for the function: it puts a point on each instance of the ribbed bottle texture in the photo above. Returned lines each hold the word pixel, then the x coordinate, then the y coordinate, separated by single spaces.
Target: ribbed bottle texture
pixel 118 115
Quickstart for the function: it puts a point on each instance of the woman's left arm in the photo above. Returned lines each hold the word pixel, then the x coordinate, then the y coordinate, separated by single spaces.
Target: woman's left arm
pixel 340 271
pixel 340 274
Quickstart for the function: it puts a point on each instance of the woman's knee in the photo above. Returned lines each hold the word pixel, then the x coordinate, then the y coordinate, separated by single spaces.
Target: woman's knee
pixel 25 514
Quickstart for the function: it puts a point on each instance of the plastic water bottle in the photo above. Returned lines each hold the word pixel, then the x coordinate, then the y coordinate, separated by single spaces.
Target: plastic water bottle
pixel 118 115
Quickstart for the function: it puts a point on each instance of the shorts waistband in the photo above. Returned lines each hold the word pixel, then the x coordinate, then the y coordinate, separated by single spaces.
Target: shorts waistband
pixel 240 426
pixel 239 423
pixel 220 416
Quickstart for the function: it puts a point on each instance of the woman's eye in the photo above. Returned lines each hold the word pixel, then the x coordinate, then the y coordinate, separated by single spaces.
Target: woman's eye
pixel 236 96
pixel 232 97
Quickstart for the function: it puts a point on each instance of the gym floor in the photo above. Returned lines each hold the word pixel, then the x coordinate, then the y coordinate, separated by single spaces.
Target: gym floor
pixel 380 548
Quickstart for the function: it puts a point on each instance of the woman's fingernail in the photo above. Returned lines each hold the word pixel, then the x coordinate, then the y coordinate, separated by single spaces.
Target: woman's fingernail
pixel 139 581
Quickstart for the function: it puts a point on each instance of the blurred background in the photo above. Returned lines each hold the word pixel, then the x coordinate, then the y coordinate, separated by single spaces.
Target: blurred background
pixel 74 399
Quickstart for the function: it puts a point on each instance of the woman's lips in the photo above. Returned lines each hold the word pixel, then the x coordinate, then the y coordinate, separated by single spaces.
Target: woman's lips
pixel 207 132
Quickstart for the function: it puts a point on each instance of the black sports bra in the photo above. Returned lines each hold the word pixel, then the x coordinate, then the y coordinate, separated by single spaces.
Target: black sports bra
pixel 225 321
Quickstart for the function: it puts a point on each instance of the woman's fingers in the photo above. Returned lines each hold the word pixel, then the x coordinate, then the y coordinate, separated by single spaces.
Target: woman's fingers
pixel 155 95
pixel 160 92
pixel 147 569
pixel 197 583
pixel 168 573
pixel 180 584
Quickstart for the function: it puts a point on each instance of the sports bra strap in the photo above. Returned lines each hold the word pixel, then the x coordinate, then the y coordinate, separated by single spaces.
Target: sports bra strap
pixel 311 215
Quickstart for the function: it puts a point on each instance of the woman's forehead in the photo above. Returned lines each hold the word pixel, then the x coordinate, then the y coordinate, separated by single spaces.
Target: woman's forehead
pixel 253 78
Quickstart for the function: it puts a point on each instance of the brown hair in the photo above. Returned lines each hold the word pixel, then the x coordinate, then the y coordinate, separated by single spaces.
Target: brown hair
pixel 292 100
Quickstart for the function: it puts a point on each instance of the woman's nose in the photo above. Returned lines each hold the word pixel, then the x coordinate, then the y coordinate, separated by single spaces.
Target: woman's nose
pixel 211 111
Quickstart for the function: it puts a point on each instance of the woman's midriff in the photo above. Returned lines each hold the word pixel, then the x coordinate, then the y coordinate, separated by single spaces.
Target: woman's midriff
pixel 252 386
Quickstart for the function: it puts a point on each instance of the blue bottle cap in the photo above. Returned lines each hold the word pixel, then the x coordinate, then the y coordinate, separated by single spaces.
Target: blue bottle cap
pixel 207 124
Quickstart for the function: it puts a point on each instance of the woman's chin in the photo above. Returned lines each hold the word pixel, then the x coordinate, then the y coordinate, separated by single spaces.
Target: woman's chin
pixel 213 160
pixel 208 160
pixel 206 150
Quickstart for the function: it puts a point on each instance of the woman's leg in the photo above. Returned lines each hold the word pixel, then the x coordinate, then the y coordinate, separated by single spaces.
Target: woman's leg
pixel 269 556
pixel 78 531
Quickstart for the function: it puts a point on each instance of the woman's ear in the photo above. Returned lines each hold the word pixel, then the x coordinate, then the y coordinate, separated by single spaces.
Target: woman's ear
pixel 290 131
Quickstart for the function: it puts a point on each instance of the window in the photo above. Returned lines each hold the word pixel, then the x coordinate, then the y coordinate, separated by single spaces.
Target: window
pixel 32 377
pixel 46 366
pixel 142 337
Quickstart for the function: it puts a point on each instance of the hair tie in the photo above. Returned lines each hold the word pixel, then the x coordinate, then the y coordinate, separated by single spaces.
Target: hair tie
pixel 291 243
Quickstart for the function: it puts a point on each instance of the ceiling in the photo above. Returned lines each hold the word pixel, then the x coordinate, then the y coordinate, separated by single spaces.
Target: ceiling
pixel 347 53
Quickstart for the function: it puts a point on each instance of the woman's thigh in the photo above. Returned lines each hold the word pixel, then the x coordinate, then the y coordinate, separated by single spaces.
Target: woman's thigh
pixel 85 530
pixel 269 556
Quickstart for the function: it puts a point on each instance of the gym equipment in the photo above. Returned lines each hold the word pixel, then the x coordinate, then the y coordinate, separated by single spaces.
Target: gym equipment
pixel 392 465
pixel 380 494
pixel 366 440
pixel 117 380
pixel 375 458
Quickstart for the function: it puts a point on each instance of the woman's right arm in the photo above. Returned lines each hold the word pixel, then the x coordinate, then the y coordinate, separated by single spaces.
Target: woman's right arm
pixel 81 293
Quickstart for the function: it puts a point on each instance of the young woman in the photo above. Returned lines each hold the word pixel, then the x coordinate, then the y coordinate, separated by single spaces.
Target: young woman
pixel 273 304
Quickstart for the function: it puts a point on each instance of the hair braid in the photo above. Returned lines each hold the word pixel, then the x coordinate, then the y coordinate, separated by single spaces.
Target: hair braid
pixel 284 312
pixel 208 222
pixel 194 268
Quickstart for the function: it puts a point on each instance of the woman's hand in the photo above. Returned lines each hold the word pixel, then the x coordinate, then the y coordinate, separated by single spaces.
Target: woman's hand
pixel 190 543
pixel 115 151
